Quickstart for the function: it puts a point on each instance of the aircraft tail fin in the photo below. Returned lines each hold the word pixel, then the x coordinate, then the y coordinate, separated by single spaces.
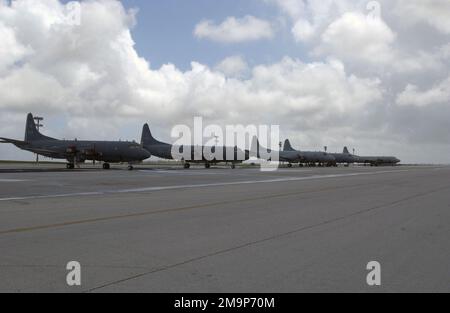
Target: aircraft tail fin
pixel 31 132
pixel 147 138
pixel 254 149
pixel 288 146
pixel 346 150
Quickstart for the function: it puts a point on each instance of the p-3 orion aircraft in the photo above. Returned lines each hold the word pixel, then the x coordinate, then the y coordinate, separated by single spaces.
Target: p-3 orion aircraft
pixel 77 151
pixel 202 154
pixel 310 157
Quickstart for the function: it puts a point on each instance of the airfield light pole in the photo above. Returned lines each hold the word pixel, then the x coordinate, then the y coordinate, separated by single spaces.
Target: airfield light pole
pixel 38 121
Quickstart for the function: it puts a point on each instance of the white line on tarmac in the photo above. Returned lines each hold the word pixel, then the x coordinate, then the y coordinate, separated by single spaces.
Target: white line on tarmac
pixel 442 168
pixel 193 186
pixel 12 180
pixel 186 173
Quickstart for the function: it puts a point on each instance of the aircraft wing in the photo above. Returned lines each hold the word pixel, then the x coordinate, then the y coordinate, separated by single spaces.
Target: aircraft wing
pixel 284 159
pixel 288 157
pixel 43 151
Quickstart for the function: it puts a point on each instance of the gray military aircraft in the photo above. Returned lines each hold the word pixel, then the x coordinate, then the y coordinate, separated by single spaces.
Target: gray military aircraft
pixel 75 151
pixel 377 160
pixel 310 157
pixel 345 157
pixel 266 154
pixel 203 154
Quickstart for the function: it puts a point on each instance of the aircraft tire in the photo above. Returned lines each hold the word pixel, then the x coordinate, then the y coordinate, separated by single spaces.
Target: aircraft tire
pixel 106 166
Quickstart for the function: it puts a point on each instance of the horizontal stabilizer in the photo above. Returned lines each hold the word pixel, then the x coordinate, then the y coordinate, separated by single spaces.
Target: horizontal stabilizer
pixel 14 142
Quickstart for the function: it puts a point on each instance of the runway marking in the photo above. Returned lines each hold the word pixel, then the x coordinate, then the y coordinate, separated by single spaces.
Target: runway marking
pixel 171 210
pixel 12 180
pixel 176 209
pixel 442 168
pixel 248 182
pixel 193 186
pixel 185 173
pixel 265 240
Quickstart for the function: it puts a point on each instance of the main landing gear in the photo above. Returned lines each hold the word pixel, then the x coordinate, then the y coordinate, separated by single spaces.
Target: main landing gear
pixel 207 165
pixel 70 166
pixel 187 166
pixel 106 166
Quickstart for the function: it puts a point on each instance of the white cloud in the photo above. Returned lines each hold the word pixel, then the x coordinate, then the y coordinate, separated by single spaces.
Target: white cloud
pixel 293 8
pixel 10 49
pixel 435 13
pixel 234 66
pixel 248 28
pixel 94 70
pixel 311 18
pixel 412 96
pixel 303 30
pixel 358 33
pixel 355 36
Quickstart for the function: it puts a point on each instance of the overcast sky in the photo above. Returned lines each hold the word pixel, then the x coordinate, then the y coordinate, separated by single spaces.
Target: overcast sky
pixel 373 76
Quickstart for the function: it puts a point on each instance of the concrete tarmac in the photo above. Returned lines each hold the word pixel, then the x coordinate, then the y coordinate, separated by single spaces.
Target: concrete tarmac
pixel 222 230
